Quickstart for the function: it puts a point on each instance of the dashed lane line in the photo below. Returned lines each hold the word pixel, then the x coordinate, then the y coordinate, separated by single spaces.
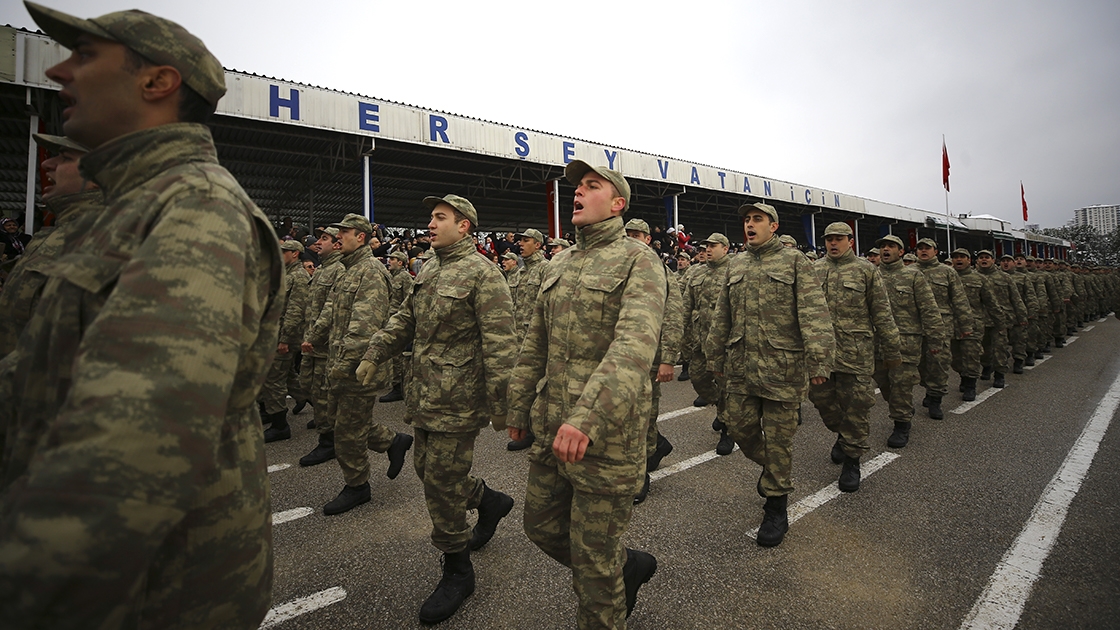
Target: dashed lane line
pixel 1088 328
pixel 1001 603
pixel 290 515
pixel 981 397
pixel 302 606
pixel 831 491
pixel 661 473
pixel 276 467
pixel 1072 339
pixel 1037 362
pixel 1102 320
pixel 669 415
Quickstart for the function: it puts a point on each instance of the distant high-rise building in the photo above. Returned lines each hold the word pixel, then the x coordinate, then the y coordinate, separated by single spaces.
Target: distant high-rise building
pixel 1105 218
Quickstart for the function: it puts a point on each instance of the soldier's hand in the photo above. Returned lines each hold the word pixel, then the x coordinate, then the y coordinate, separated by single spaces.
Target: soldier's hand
pixel 664 373
pixel 282 348
pixel 967 334
pixel 306 347
pixel 517 434
pixel 570 444
pixel 818 380
pixel 498 422
pixel 365 372
pixel 893 363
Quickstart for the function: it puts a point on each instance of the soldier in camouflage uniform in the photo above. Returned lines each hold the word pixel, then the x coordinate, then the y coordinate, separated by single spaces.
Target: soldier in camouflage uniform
pixel 967 351
pixel 273 397
pixel 1019 335
pixel 861 321
pixel 919 325
pixel 75 203
pixel 1064 290
pixel 1035 336
pixel 132 389
pixel 1011 312
pixel 582 383
pixel 668 347
pixel 771 336
pixel 313 368
pixel 873 256
pixel 699 301
pixel 399 288
pixel 557 245
pixel 952 302
pixel 524 287
pixel 1054 297
pixel 687 340
pixel 459 319
pixel 357 307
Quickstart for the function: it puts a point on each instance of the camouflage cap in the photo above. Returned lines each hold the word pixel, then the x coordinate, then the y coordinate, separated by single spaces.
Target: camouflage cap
pixel 716 237
pixel 559 242
pixel 890 238
pixel 1049 260
pixel 465 208
pixel 874 251
pixel 354 221
pixel 927 241
pixel 838 228
pixel 684 255
pixel 333 231
pixel 533 234
pixel 291 245
pixel 399 255
pixel 985 252
pixel 764 207
pixel 960 251
pixel 157 39
pixel 812 255
pixel 637 225
pixel 576 169
pixel 1007 256
pixel 786 239
pixel 509 256
pixel 909 258
pixel 57 144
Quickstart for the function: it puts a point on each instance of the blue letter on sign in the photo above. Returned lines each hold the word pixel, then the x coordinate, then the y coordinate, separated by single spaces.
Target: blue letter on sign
pixel 522 140
pixel 437 126
pixel 808 196
pixel 611 155
pixel 275 102
pixel 664 168
pixel 367 117
pixel 766 188
pixel 569 151
pixel 746 184
pixel 721 176
pixel 695 176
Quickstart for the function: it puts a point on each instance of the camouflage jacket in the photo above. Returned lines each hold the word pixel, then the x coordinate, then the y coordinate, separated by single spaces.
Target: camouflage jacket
pixel 524 286
pixel 861 313
pixel 1012 310
pixel 771 331
pixel 74 214
pixel 1063 284
pixel 357 307
pixel 1079 291
pixel 915 309
pixel 292 322
pixel 134 389
pixel 1041 293
pixel 672 325
pixel 700 295
pixel 321 284
pixel 399 288
pixel 587 356
pixel 985 308
pixel 459 318
pixel 1053 289
pixel 1025 285
pixel 949 293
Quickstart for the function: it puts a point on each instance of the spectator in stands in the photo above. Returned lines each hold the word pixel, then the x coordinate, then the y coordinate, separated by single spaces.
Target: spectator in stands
pixel 13 238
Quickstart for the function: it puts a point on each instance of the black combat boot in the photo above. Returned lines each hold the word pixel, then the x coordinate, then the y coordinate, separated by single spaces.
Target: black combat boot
pixel 968 391
pixel 718 425
pixel 684 372
pixel 1029 361
pixel 700 402
pixel 1018 367
pixel 300 405
pixel 849 475
pixel 397 448
pixel 493 507
pixel 726 444
pixel 639 568
pixel 935 408
pixel 837 454
pixel 986 373
pixel 641 496
pixel 311 423
pixel 900 436
pixel 394 394
pixel 664 447
pixel 322 453
pixel 925 401
pixel 1038 355
pixel 456 585
pixel 523 443
pixel 999 381
pixel 774 522
pixel 1059 342
pixel 350 498
pixel 279 429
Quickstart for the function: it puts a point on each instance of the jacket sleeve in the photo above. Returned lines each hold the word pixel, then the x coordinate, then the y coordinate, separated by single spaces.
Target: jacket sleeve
pixel 882 318
pixel 933 327
pixel 529 368
pixel 292 331
pixel 962 310
pixel 817 333
pixel 394 337
pixel 1020 310
pixel 367 315
pixel 719 331
pixel 672 328
pixel 493 308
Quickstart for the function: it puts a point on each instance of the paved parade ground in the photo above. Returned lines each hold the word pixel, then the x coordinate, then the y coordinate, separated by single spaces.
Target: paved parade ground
pixel 949 532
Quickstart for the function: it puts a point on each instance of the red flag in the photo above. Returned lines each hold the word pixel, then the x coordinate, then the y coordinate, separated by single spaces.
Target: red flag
pixel 944 165
pixel 1023 194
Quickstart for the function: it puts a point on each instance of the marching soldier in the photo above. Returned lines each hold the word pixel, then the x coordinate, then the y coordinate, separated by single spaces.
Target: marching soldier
pixel 1011 312
pixel 313 366
pixel 956 314
pixel 699 301
pixel 524 287
pixel 399 287
pixel 1022 348
pixel 273 398
pixel 968 351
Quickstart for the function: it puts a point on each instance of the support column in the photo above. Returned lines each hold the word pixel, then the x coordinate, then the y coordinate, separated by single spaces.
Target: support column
pixel 552 188
pixel 32 166
pixel 855 235
pixel 367 190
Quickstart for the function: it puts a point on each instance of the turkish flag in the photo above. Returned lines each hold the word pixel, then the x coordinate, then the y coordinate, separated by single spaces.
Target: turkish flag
pixel 1023 194
pixel 944 165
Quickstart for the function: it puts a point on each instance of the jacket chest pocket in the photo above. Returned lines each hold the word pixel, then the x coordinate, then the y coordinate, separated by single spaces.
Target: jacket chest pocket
pixel 600 297
pixel 854 293
pixel 451 305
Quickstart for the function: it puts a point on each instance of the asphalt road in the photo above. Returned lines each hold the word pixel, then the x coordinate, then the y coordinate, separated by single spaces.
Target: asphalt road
pixel 916 547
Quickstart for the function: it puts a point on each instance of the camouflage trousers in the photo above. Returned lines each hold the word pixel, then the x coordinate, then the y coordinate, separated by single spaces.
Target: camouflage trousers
pixel 764 430
pixel 397 378
pixel 1036 337
pixel 443 463
pixel 933 369
pixel 655 410
pixel 355 432
pixel 704 382
pixel 295 384
pixel 997 350
pixel 313 379
pixel 1058 330
pixel 966 356
pixel 275 388
pixel 844 402
pixel 897 386
pixel 582 531
pixel 1017 338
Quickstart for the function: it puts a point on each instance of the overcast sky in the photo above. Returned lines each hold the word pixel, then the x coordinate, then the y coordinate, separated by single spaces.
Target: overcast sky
pixel 848 96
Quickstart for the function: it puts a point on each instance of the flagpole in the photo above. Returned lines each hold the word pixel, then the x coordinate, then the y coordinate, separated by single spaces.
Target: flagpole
pixel 948 217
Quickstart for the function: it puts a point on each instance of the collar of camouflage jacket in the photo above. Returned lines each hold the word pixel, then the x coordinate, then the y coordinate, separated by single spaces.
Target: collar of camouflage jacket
pixel 535 259
pixel 66 207
pixel 329 259
pixel 129 161
pixel 601 233
pixel 459 249
pixel 768 247
pixel 356 256
pixel 988 271
pixel 891 266
pixel 848 257
pixel 932 262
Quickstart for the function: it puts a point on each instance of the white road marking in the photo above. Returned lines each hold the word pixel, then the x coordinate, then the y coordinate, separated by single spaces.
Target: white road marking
pixel 831 491
pixel 981 397
pixel 290 515
pixel 1102 320
pixel 1070 340
pixel 1003 599
pixel 1088 328
pixel 876 391
pixel 303 605
pixel 661 473
pixel 669 415
pixel 275 467
pixel 1037 362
